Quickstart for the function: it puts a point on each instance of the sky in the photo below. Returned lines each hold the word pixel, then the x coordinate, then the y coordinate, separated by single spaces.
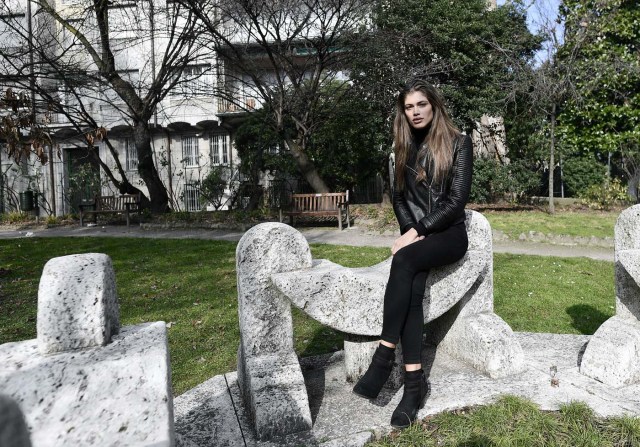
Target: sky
pixel 541 14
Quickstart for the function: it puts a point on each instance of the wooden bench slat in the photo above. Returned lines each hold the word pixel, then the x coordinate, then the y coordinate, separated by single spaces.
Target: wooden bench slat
pixel 125 203
pixel 319 204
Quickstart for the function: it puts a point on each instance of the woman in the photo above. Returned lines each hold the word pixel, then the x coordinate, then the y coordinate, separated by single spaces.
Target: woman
pixel 433 180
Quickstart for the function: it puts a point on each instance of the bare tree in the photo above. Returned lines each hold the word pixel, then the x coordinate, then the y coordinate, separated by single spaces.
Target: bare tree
pixel 287 56
pixel 76 60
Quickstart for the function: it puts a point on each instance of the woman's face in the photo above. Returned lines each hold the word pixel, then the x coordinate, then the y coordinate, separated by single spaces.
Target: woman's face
pixel 417 109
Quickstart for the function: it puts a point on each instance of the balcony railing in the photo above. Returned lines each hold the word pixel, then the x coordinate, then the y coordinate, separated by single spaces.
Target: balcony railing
pixel 240 104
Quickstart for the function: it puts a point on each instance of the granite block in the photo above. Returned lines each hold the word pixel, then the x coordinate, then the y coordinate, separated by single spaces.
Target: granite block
pixel 487 343
pixel 613 354
pixel 77 303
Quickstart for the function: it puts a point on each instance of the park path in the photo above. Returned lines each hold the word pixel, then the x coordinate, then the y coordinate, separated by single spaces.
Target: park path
pixel 354 236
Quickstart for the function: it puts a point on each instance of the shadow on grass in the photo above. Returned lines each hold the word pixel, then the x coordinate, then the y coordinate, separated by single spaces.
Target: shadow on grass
pixel 586 318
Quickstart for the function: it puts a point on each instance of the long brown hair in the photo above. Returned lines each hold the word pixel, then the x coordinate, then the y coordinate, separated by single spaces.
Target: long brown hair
pixel 438 141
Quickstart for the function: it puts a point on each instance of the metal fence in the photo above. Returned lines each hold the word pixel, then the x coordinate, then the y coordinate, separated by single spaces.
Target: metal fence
pixel 368 191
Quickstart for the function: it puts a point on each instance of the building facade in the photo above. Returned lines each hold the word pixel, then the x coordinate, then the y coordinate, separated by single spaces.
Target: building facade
pixel 188 136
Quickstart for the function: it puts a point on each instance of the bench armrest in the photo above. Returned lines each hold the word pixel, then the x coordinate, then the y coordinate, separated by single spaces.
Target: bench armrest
pixel 91 205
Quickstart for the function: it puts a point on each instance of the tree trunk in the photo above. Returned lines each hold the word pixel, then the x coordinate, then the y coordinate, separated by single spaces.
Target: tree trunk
pixel 307 168
pixel 552 208
pixel 158 198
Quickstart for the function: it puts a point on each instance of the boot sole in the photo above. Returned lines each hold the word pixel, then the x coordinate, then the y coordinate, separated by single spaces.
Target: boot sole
pixel 422 404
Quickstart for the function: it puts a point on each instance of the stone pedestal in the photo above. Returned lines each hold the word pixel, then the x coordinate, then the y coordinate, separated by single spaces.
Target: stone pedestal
pixel 84 381
pixel 613 354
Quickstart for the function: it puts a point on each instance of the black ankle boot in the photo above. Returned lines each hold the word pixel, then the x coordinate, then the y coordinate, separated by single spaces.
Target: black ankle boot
pixel 416 389
pixel 371 383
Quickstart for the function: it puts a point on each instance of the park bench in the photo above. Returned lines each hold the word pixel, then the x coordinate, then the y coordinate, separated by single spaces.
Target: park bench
pixel 122 204
pixel 319 204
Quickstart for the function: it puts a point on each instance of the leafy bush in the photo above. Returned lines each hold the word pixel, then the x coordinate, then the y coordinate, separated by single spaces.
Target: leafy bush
pixel 14 217
pixel 494 181
pixel 580 173
pixel 213 186
pixel 52 220
pixel 605 195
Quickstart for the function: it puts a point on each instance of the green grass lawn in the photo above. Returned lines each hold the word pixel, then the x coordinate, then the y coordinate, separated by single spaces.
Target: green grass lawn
pixel 516 422
pixel 192 285
pixel 572 223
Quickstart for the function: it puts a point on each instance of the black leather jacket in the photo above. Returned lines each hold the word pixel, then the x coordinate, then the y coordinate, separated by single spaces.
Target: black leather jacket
pixel 437 206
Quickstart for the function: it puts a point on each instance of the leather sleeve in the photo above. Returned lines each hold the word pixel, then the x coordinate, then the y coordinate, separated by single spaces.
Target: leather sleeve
pixel 401 209
pixel 452 206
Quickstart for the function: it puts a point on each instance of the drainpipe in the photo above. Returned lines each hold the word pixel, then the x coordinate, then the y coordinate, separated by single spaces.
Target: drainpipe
pixel 153 54
pixel 169 169
pixel 53 181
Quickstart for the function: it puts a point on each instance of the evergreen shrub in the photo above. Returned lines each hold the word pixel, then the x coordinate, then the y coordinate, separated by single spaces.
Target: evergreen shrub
pixel 493 181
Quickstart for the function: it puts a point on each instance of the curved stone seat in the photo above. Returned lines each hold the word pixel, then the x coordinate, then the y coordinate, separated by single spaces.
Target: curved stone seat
pixel 350 299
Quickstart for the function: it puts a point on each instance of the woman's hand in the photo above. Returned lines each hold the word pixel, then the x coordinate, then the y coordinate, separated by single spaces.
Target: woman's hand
pixel 409 237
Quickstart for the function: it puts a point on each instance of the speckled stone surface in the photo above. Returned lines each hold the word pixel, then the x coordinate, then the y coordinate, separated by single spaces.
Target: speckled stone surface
pixel 269 374
pixel 350 299
pixel 13 429
pixel 613 355
pixel 342 419
pixel 114 395
pixel 205 415
pixel 77 303
pixel 485 342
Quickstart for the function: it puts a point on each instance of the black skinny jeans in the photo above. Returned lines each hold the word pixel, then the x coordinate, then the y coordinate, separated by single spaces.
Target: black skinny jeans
pixel 403 317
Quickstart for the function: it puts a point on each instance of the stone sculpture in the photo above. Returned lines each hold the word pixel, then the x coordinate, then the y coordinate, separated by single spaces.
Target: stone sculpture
pixel 613 353
pixel 85 380
pixel 275 268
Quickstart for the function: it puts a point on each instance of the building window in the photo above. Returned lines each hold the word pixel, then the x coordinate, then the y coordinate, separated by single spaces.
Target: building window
pixel 196 80
pixel 131 155
pixel 191 197
pixel 219 149
pixel 190 151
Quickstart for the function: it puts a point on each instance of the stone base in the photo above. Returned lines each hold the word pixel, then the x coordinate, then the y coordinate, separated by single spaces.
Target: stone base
pixel 211 414
pixel 119 394
pixel 275 394
pixel 613 354
pixel 486 342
